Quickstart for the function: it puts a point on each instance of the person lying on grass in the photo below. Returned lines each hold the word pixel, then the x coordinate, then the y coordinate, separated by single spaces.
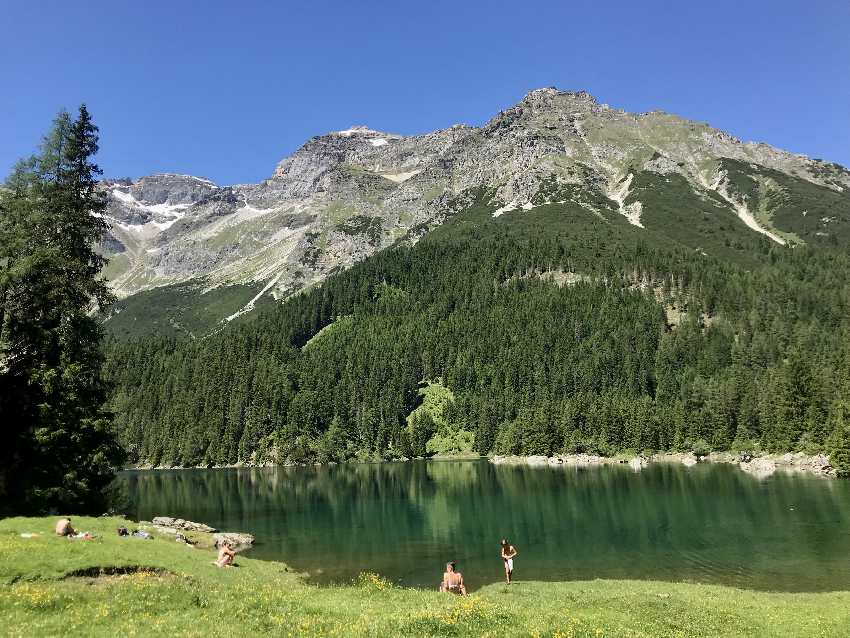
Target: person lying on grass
pixel 453 580
pixel 225 555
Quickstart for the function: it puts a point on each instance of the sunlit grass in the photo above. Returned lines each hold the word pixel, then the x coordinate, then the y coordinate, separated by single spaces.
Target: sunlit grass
pixel 175 590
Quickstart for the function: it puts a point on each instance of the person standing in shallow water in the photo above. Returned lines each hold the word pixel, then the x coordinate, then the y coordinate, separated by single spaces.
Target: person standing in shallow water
pixel 508 553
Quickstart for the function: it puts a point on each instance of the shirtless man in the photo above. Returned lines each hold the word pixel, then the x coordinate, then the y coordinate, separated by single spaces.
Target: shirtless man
pixel 453 580
pixel 63 527
pixel 225 555
pixel 508 553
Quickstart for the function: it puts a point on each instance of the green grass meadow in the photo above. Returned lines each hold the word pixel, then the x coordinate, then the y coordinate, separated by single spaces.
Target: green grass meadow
pixel 116 586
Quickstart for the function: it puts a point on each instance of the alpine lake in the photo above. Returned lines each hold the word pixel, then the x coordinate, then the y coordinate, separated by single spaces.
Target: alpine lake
pixel 710 523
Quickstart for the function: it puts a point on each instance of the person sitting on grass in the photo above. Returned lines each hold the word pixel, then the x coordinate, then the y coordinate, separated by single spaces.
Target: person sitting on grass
pixel 63 527
pixel 225 555
pixel 453 580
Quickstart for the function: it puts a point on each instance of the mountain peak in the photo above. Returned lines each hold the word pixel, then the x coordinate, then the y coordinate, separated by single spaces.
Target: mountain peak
pixel 344 194
pixel 362 131
pixel 550 92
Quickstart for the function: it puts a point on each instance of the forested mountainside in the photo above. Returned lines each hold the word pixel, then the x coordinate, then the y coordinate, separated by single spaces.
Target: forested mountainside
pixel 560 326
pixel 202 255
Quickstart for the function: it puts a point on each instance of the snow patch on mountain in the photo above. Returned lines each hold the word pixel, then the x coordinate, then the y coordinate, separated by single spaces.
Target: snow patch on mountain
pixel 526 206
pixel 165 215
pixel 355 130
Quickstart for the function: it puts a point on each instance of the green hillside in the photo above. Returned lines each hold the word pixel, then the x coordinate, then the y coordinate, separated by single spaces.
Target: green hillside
pixel 804 211
pixel 560 328
pixel 180 311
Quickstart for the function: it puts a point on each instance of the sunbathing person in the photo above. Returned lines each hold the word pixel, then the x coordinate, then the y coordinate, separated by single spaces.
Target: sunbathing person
pixel 453 580
pixel 225 555
pixel 63 527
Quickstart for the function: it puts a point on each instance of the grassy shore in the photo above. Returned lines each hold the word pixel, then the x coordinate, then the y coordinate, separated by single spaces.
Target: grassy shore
pixel 129 586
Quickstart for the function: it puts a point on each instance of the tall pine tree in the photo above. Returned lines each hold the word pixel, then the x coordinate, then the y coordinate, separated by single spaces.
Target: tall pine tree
pixel 60 451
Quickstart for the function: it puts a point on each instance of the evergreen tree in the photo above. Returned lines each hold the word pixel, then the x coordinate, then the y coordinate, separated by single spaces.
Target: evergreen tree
pixel 61 450
pixel 840 453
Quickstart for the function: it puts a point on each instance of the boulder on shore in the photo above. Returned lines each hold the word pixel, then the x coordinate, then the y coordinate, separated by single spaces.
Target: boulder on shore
pixel 180 524
pixel 819 464
pixel 760 467
pixel 236 540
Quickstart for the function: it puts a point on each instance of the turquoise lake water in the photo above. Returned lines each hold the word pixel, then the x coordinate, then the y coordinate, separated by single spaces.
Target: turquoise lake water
pixel 710 523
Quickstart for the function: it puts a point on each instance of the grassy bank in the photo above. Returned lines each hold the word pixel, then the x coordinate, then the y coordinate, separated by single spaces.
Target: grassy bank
pixel 129 586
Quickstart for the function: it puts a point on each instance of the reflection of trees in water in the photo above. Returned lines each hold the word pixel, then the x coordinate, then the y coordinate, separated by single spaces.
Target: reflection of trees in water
pixel 609 520
pixel 667 521
pixel 352 507
pixel 454 484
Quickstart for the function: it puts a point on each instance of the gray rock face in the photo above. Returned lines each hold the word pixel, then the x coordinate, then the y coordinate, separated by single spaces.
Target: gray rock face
pixel 171 189
pixel 344 195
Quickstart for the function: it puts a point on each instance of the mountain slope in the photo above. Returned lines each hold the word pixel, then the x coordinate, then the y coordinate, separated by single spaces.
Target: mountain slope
pixel 345 195
pixel 551 336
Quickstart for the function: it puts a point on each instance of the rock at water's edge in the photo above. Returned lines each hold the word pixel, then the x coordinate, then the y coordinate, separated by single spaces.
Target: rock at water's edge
pixel 689 460
pixel 759 467
pixel 179 523
pixel 236 540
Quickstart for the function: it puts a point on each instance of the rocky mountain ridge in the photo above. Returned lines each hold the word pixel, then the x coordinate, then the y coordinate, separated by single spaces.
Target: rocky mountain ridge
pixel 347 194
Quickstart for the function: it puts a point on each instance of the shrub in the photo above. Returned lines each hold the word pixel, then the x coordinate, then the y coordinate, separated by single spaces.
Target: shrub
pixel 700 448
pixel 451 442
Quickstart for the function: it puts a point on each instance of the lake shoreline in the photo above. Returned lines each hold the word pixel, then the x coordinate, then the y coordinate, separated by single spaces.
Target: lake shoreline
pixel 760 466
pixel 248 465
pixel 114 585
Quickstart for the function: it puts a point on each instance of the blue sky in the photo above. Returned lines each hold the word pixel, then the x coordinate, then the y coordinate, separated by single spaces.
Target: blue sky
pixel 227 89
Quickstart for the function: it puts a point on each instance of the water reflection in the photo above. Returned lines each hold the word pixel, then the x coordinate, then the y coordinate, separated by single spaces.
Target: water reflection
pixel 709 523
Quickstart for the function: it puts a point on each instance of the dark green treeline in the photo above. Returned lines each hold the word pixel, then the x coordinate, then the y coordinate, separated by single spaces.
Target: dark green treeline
pixel 555 331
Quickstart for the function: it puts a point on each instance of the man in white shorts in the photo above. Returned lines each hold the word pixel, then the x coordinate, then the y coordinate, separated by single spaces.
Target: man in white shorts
pixel 508 553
